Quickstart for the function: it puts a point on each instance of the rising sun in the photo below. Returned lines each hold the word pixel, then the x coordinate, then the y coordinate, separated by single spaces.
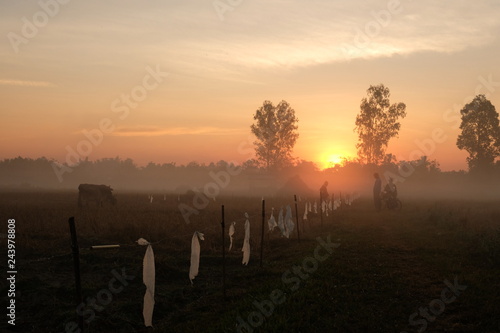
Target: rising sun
pixel 331 159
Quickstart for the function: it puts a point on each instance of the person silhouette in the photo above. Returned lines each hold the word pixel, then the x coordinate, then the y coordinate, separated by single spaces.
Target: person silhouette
pixel 390 190
pixel 323 192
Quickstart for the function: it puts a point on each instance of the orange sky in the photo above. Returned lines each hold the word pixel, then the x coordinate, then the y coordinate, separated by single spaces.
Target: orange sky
pixel 180 82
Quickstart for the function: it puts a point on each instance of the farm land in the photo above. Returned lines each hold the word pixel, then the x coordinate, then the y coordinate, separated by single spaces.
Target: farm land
pixel 434 266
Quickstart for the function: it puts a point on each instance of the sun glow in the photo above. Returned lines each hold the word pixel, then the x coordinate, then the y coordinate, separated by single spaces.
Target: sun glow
pixel 330 160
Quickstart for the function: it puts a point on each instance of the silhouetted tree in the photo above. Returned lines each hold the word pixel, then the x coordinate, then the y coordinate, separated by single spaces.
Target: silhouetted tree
pixel 376 123
pixel 423 167
pixel 305 167
pixel 276 130
pixel 194 165
pixel 251 164
pixel 480 135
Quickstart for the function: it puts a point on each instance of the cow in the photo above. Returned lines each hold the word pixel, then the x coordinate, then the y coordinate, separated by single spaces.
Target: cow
pixel 96 193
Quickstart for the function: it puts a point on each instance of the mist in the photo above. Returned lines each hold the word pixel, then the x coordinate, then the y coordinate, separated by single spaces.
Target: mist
pixel 420 179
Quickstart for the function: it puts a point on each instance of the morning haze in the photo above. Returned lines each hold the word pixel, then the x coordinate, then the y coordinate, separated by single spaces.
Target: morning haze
pixel 250 165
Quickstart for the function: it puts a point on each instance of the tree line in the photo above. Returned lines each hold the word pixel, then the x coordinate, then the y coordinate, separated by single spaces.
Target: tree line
pixel 377 122
pixel 275 129
pixel 30 174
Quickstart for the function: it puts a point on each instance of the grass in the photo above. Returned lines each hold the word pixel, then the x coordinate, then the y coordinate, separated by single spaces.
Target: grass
pixel 388 265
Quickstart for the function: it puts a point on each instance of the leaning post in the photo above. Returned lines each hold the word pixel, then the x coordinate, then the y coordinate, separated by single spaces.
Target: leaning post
pixel 262 231
pixel 223 225
pixel 297 217
pixel 76 260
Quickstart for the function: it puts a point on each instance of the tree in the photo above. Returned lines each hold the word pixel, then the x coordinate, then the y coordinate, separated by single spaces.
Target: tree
pixel 480 135
pixel 276 130
pixel 376 123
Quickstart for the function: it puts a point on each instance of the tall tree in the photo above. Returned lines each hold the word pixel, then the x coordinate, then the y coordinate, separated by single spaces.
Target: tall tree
pixel 276 130
pixel 480 135
pixel 376 123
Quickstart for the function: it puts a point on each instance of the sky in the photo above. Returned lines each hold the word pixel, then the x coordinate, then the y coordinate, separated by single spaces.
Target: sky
pixel 179 81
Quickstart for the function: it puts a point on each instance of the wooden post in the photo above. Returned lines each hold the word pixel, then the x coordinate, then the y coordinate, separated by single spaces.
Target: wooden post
pixel 307 219
pixel 333 206
pixel 76 260
pixel 321 208
pixel 262 231
pixel 297 216
pixel 98 247
pixel 223 224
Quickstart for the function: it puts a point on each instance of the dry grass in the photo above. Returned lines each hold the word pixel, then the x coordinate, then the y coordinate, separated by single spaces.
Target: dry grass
pixel 388 265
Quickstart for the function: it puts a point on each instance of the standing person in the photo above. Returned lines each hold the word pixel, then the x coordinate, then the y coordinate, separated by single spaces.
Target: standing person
pixel 323 192
pixel 377 189
pixel 323 196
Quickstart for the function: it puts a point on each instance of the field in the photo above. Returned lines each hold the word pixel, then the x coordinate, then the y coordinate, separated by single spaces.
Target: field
pixel 433 267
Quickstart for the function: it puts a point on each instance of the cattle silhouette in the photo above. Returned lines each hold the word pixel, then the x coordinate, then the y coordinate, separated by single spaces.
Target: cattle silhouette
pixel 96 194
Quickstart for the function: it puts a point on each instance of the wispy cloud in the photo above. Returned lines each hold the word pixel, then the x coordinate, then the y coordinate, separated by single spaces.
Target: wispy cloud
pixel 317 32
pixel 263 34
pixel 21 83
pixel 174 131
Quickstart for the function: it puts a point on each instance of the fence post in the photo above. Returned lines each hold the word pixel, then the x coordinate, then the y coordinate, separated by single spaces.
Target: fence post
pixel 76 260
pixel 333 207
pixel 297 216
pixel 321 208
pixel 223 224
pixel 262 231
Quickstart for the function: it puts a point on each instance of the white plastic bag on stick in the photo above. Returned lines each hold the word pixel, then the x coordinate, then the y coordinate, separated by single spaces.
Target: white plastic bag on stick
pixel 336 204
pixel 272 221
pixel 246 243
pixel 195 254
pixel 148 277
pixel 231 234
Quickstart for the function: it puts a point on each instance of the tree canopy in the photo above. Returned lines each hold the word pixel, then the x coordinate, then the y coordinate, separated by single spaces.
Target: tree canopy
pixel 480 135
pixel 275 128
pixel 376 123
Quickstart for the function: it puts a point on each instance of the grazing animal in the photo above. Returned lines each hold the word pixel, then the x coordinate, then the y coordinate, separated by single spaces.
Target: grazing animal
pixel 96 193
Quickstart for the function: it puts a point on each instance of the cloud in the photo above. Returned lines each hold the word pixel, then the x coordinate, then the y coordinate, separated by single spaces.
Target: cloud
pixel 21 83
pixel 296 33
pixel 190 39
pixel 174 131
